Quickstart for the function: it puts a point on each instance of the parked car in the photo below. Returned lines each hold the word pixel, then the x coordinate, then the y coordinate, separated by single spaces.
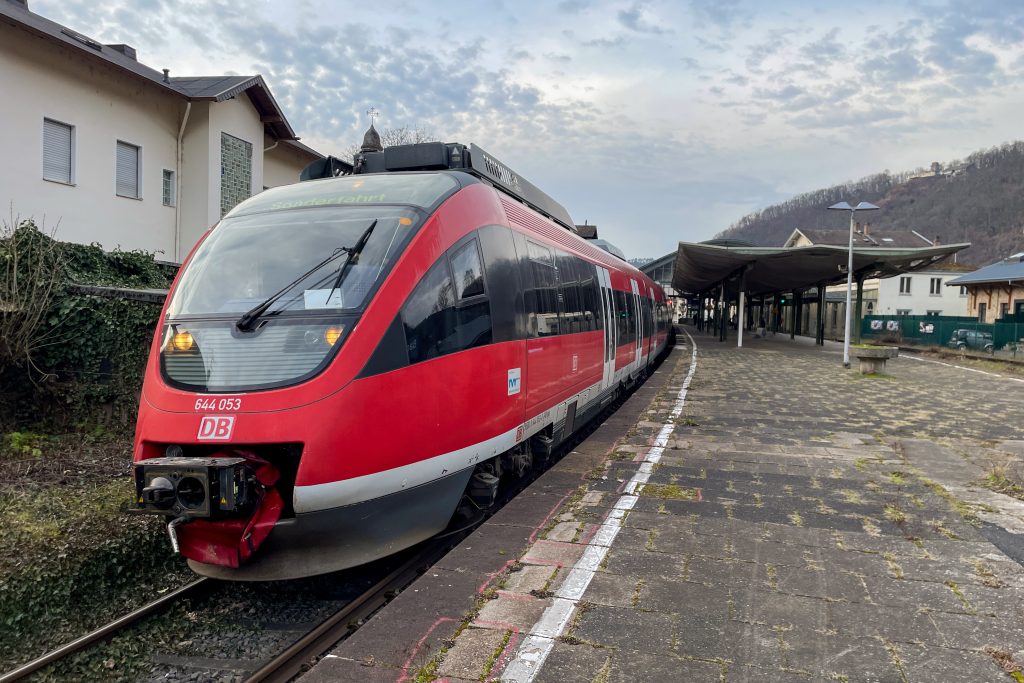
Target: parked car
pixel 971 339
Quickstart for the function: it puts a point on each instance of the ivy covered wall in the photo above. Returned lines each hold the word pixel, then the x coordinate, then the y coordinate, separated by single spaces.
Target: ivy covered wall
pixel 86 361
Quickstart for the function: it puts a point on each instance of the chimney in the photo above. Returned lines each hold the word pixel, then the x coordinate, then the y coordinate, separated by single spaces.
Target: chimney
pixel 127 50
pixel 856 227
pixel 167 75
pixel 867 228
pixel 937 241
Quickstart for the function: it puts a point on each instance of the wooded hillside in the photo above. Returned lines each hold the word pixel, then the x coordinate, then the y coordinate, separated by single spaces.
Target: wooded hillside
pixel 979 200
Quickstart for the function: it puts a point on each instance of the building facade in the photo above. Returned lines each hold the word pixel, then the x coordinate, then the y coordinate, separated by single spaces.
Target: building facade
pixel 922 293
pixel 995 291
pixel 108 150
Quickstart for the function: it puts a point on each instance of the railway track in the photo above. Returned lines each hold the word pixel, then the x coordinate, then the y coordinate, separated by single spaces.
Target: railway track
pixel 318 634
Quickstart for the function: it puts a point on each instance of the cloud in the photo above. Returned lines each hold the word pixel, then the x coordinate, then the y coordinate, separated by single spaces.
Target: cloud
pixel 635 19
pixel 572 6
pixel 724 14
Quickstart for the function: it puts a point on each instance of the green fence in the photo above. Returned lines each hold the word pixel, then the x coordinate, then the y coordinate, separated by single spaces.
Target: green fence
pixel 1006 334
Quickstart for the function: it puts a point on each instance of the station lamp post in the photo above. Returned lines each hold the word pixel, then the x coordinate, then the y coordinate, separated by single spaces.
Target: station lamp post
pixel 844 206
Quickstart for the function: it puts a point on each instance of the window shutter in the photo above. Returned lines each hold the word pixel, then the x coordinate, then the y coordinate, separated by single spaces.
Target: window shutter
pixel 127 170
pixel 56 151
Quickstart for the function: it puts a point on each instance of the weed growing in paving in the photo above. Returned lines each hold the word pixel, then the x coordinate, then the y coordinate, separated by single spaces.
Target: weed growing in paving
pixel 669 492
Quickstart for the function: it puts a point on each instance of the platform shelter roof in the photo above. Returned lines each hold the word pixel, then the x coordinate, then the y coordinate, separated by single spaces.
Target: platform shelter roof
pixel 701 267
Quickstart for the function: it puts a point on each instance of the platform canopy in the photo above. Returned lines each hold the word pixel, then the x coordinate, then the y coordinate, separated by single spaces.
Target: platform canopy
pixel 701 267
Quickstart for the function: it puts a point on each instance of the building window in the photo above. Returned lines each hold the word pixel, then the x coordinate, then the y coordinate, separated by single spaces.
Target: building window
pixel 58 151
pixel 963 290
pixel 1004 309
pixel 936 287
pixel 934 313
pixel 905 285
pixel 167 188
pixel 902 311
pixel 982 312
pixel 128 170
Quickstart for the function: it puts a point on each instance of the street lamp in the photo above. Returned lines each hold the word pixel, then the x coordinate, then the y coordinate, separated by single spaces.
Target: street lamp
pixel 843 206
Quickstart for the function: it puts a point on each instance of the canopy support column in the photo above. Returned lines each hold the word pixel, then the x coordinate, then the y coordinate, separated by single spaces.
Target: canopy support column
pixel 819 338
pixel 740 321
pixel 858 311
pixel 792 317
pixel 723 314
pixel 798 301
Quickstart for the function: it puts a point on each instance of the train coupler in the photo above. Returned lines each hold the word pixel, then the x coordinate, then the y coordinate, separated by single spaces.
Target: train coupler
pixel 195 488
pixel 223 507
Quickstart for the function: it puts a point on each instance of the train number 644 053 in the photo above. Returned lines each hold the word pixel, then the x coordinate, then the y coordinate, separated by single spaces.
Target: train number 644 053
pixel 203 404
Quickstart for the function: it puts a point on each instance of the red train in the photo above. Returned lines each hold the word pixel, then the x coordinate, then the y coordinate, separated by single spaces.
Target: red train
pixel 344 364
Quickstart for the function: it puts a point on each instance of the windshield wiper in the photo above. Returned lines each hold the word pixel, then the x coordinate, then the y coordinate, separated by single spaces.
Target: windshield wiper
pixel 252 316
pixel 353 256
pixel 249 319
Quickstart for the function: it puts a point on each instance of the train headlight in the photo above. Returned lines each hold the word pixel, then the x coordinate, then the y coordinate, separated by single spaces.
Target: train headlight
pixel 333 334
pixel 182 341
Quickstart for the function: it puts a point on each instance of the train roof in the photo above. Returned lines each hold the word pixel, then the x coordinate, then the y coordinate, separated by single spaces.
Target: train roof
pixel 442 156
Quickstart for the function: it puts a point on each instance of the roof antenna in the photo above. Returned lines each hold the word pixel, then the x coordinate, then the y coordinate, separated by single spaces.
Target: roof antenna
pixel 371 140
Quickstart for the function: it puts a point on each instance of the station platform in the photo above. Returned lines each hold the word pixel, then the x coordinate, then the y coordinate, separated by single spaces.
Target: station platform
pixel 749 514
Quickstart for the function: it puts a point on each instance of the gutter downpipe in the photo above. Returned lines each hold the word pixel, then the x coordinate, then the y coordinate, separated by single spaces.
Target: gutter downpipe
pixel 177 182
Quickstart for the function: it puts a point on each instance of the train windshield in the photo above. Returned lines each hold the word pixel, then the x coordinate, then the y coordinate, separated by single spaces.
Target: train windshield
pixel 283 257
pixel 250 258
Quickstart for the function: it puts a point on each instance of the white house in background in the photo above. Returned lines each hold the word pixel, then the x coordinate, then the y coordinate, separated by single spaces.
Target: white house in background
pixel 923 292
pixel 122 154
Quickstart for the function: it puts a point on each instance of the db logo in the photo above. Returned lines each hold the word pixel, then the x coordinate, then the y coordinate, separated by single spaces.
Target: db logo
pixel 216 427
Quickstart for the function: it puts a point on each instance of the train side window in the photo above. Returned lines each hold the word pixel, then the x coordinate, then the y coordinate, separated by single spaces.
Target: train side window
pixel 622 317
pixel 570 293
pixel 590 296
pixel 469 273
pixel 542 298
pixel 429 315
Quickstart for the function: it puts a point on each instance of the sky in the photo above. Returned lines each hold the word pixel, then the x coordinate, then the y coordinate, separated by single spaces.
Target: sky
pixel 656 121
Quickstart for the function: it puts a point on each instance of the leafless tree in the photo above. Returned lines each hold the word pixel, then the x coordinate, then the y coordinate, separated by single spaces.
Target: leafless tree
pixel 32 265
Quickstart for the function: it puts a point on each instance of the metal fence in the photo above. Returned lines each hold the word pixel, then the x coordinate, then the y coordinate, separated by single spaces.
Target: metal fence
pixel 1004 337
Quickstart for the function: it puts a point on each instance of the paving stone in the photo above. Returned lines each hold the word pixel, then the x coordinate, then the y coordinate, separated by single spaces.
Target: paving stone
pixel 471 650
pixel 553 553
pixel 831 657
pixel 333 669
pixel 515 611
pixel 976 631
pixel 530 578
pixel 819 583
pixel 627 628
pixel 613 590
pixel 913 594
pixel 880 621
pixel 778 609
pixel 926 664
pixel 573 662
pixel 696 604
pixel 629 666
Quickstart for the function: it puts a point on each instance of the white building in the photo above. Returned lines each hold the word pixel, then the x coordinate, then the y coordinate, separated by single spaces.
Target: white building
pixel 923 293
pixel 122 154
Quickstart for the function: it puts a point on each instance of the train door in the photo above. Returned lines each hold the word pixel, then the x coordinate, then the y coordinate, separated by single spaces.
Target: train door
pixel 610 327
pixel 652 338
pixel 639 348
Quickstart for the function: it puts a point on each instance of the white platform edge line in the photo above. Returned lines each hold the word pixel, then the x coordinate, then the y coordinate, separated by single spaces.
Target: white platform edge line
pixel 960 367
pixel 534 650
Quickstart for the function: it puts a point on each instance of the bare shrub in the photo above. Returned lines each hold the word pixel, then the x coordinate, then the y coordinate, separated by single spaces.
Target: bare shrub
pixel 32 264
